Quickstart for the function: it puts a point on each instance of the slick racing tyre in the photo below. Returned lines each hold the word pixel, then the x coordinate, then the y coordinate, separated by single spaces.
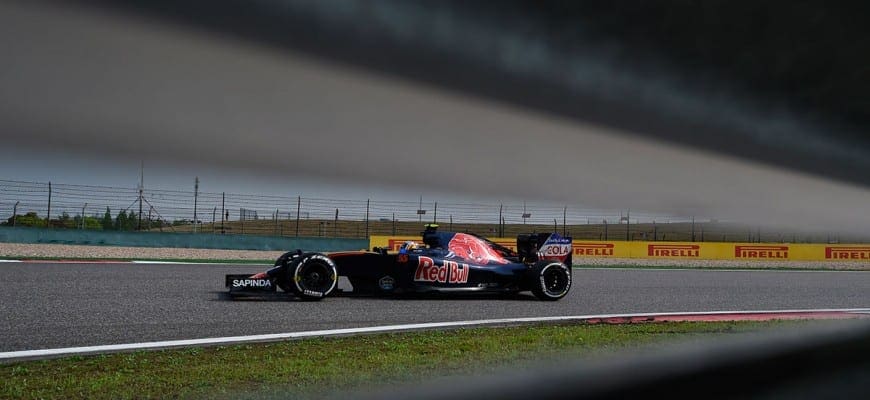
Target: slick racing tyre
pixel 550 280
pixel 313 277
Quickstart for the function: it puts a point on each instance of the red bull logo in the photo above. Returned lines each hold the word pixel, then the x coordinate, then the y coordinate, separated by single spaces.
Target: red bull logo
pixel 753 251
pixel 673 250
pixel 473 249
pixel 450 272
pixel 593 249
pixel 847 252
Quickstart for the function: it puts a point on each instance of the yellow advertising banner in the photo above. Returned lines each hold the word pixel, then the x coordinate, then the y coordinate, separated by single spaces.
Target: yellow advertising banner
pixel 686 250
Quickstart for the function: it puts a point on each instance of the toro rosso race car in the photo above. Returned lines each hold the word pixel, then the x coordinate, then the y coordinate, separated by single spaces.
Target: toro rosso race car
pixel 445 262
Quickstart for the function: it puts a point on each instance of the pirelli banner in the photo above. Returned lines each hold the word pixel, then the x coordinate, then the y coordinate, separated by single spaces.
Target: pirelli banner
pixel 686 250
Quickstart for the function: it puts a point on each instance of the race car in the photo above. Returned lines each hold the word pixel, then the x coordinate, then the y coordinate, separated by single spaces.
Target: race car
pixel 445 262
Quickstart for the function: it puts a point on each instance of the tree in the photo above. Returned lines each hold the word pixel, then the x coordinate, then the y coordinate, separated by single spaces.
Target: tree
pixel 121 220
pixel 29 219
pixel 65 221
pixel 107 220
pixel 131 222
pixel 93 223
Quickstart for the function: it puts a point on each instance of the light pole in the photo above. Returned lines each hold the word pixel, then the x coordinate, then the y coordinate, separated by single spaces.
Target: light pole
pixel 83 215
pixel 420 211
pixel 525 214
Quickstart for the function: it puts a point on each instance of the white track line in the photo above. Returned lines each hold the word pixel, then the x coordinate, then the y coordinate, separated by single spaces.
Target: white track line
pixel 10 261
pixel 113 348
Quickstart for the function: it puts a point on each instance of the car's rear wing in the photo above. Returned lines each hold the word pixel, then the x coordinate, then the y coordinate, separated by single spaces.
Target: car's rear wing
pixel 544 246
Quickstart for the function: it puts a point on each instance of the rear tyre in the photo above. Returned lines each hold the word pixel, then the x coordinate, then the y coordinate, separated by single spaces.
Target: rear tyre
pixel 313 277
pixel 550 280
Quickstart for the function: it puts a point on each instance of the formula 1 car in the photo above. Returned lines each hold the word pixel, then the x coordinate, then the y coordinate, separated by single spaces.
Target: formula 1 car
pixel 446 262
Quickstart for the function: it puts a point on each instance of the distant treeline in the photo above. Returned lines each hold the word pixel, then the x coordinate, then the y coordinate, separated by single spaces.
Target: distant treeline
pixel 123 221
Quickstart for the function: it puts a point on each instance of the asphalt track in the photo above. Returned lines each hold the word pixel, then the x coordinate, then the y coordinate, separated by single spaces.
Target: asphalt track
pixel 50 305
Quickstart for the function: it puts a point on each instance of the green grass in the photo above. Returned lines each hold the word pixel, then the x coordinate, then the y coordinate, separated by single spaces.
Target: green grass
pixel 314 367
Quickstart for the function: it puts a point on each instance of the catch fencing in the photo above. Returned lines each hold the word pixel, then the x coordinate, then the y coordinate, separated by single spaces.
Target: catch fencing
pixel 66 206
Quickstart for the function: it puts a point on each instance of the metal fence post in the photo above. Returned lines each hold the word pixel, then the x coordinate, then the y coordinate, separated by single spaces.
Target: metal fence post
pixel 500 221
pixel 195 198
pixel 693 228
pixel 223 210
pixel 48 217
pixel 565 221
pixel 298 207
pixel 335 225
pixel 83 215
pixel 367 217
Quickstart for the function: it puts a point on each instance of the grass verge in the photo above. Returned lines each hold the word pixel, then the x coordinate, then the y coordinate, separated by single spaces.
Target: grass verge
pixel 314 367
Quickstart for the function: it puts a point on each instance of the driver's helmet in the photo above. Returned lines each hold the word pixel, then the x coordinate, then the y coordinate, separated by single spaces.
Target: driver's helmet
pixel 408 246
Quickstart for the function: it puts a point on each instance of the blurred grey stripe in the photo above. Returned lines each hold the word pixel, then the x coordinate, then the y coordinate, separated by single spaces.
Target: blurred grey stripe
pixel 103 82
pixel 812 362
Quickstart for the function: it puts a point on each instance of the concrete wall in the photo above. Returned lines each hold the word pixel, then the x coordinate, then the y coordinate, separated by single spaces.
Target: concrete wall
pixel 180 240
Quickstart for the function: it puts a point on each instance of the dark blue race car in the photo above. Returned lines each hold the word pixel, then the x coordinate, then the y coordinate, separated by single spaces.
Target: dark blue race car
pixel 445 262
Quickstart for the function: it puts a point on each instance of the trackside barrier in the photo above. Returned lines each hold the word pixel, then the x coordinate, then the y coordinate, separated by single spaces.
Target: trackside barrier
pixel 178 240
pixel 687 250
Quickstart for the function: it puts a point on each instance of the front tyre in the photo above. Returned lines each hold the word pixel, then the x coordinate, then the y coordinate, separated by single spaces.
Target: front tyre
pixel 284 265
pixel 550 280
pixel 313 277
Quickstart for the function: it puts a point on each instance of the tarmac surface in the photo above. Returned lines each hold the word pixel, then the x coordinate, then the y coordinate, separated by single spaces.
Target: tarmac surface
pixel 50 305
